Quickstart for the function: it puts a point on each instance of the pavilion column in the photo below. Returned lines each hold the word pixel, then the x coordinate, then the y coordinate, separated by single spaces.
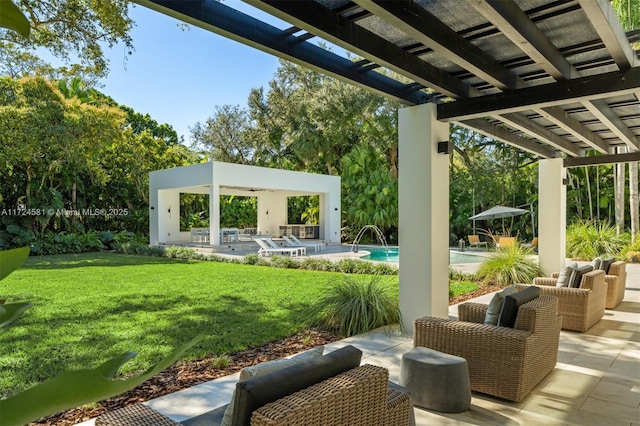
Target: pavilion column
pixel 423 226
pixel 214 215
pixel 552 215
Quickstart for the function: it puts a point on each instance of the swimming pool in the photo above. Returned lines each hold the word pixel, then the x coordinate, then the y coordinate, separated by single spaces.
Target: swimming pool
pixel 391 255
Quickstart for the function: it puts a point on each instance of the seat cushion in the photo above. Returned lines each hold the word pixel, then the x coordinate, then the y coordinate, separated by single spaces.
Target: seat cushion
pixel 495 306
pixel 512 302
pixel 596 263
pixel 266 368
pixel 606 263
pixel 564 278
pixel 254 393
pixel 576 277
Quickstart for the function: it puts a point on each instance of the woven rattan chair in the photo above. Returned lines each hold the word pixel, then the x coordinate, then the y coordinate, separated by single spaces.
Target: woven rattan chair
pixel 580 307
pixel 503 362
pixel 360 396
pixel 616 279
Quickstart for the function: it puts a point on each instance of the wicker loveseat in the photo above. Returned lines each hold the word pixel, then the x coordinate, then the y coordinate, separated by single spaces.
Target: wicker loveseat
pixel 580 307
pixel 503 362
pixel 616 279
pixel 333 389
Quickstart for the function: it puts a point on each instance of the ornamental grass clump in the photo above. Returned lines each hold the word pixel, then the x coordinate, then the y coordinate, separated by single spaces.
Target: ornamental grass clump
pixel 357 304
pixel 510 265
pixel 587 240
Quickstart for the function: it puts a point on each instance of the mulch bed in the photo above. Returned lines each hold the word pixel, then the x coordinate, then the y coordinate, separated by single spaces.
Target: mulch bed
pixel 186 374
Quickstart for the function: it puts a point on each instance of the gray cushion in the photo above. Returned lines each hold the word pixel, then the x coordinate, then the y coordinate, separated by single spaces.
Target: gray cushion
pixel 606 263
pixel 564 278
pixel 512 302
pixel 576 278
pixel 495 306
pixel 596 263
pixel 266 368
pixel 254 393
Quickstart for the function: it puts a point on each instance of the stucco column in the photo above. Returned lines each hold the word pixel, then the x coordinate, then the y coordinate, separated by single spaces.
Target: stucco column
pixel 552 215
pixel 214 215
pixel 423 233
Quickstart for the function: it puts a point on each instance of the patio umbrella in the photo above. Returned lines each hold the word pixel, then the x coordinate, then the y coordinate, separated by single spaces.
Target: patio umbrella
pixel 498 212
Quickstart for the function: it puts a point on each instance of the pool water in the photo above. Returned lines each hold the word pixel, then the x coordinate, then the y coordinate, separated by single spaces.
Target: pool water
pixel 391 255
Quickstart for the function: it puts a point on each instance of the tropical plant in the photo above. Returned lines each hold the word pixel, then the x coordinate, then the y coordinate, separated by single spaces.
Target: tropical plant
pixel 587 240
pixel 73 388
pixel 510 265
pixel 13 19
pixel 355 305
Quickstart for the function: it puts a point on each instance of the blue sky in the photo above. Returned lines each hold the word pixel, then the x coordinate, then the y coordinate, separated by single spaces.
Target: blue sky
pixel 178 76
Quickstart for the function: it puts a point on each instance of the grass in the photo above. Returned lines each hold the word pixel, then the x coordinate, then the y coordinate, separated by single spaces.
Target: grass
pixel 90 307
pixel 458 288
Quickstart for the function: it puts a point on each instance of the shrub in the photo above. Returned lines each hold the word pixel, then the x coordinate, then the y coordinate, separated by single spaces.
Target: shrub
pixel 357 304
pixel 139 249
pixel 587 240
pixel 510 265
pixel 317 264
pixel 285 262
pixel 631 252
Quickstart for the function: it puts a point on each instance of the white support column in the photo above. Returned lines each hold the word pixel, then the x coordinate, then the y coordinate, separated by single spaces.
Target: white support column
pixel 552 215
pixel 214 215
pixel 423 232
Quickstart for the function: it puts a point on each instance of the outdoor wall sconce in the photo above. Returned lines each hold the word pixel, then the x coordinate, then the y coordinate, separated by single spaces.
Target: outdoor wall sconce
pixel 152 208
pixel 336 209
pixel 169 210
pixel 267 211
pixel 445 147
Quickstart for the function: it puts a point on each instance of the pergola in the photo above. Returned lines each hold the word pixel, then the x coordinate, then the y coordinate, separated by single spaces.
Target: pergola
pixel 551 77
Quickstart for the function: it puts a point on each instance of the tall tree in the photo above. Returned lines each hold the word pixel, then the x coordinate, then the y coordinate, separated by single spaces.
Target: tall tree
pixel 73 31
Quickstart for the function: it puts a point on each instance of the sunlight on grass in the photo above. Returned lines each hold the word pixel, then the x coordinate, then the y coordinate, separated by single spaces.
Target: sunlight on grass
pixel 88 308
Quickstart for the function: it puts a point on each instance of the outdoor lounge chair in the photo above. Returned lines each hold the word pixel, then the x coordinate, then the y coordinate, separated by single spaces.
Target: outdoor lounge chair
pixel 301 250
pixel 474 241
pixel 580 307
pixel 290 243
pixel 503 361
pixel 267 250
pixel 505 242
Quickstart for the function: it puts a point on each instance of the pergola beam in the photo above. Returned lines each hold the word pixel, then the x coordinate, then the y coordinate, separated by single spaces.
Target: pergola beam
pixel 562 119
pixel 331 26
pixel 218 18
pixel 601 110
pixel 514 23
pixel 502 134
pixel 548 95
pixel 522 123
pixel 605 22
pixel 415 21
pixel 602 159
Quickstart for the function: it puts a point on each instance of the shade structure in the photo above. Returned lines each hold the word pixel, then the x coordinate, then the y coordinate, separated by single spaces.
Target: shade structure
pixel 498 212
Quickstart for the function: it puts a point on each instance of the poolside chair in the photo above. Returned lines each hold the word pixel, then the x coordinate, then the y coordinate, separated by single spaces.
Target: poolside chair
pixel 267 250
pixel 505 242
pixel 474 241
pixel 301 250
pixel 294 242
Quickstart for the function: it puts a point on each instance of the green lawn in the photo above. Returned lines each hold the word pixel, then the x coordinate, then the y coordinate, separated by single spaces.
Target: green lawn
pixel 88 308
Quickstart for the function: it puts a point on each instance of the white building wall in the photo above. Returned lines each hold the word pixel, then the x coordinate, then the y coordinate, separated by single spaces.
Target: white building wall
pixel 199 178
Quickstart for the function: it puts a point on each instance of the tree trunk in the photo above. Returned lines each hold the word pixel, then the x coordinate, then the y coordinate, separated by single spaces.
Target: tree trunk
pixel 634 203
pixel 586 174
pixel 619 198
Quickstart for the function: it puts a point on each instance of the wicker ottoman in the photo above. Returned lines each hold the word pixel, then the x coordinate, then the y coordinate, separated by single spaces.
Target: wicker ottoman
pixel 134 415
pixel 437 381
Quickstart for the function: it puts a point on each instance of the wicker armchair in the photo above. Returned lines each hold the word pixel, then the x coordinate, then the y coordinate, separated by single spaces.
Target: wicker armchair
pixel 580 307
pixel 503 362
pixel 360 396
pixel 616 279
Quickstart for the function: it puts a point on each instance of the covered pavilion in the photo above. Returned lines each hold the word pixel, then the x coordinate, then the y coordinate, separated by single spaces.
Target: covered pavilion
pixel 556 78
pixel 271 187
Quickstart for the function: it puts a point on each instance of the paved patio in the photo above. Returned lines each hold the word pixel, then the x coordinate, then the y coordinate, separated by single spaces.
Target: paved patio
pixel 596 380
